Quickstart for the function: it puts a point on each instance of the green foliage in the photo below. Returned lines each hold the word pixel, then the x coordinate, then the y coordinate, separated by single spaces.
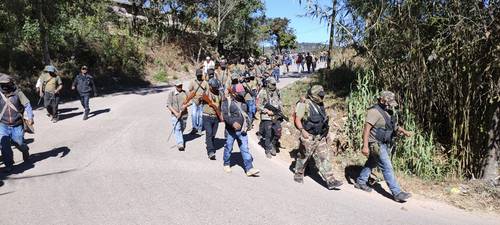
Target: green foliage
pixel 161 76
pixel 441 57
pixel 281 34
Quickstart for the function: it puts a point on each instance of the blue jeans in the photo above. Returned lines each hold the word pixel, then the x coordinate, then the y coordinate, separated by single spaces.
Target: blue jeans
pixel 84 99
pixel 197 116
pixel 242 139
pixel 8 134
pixel 252 109
pixel 178 129
pixel 383 161
pixel 276 74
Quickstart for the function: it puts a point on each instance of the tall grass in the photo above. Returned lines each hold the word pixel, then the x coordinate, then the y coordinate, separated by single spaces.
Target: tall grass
pixel 417 155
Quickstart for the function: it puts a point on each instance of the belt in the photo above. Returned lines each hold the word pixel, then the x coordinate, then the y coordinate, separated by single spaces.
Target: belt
pixel 210 115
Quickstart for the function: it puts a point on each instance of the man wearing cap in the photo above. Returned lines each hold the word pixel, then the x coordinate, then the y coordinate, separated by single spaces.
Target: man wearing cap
pixel 198 86
pixel 84 84
pixel 247 81
pixel 51 86
pixel 223 75
pixel 270 124
pixel 312 121
pixel 13 104
pixel 210 118
pixel 208 64
pixel 235 117
pixel 380 129
pixel 175 103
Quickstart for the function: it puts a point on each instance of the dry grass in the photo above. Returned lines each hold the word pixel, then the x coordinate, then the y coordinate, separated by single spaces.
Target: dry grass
pixel 166 64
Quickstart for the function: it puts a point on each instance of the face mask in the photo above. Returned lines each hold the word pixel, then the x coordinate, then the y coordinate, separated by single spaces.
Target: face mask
pixel 52 74
pixel 6 88
pixel 272 87
pixel 234 81
pixel 199 77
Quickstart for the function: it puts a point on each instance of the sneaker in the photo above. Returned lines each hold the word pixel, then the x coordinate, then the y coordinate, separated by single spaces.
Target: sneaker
pixel 268 155
pixel 273 151
pixel 363 187
pixel 402 196
pixel 227 169
pixel 180 147
pixel 211 155
pixel 334 184
pixel 253 172
pixel 298 178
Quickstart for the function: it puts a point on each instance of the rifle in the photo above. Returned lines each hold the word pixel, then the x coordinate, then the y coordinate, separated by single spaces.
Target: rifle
pixel 211 103
pixel 277 112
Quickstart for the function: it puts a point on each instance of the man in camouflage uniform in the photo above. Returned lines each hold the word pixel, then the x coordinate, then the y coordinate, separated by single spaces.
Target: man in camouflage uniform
pixel 312 121
pixel 380 129
pixel 270 124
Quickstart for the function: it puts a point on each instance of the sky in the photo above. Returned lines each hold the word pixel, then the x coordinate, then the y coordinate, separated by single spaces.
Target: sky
pixel 307 29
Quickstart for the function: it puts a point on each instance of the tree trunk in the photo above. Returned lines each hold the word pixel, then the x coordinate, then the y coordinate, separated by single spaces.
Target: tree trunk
pixel 332 35
pixel 491 166
pixel 44 34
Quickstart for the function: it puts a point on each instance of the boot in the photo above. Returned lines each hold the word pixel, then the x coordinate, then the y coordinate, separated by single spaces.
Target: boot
pixel 298 178
pixel 334 184
pixel 402 196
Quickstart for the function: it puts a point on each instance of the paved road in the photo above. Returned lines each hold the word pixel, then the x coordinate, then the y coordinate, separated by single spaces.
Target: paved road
pixel 119 168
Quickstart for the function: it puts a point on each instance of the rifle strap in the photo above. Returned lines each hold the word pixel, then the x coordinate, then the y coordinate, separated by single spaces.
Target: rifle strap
pixel 7 104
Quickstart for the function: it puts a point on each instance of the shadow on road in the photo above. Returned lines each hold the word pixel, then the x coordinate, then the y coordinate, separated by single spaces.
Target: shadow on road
pixel 34 158
pixel 69 115
pixel 67 110
pixel 352 172
pixel 98 112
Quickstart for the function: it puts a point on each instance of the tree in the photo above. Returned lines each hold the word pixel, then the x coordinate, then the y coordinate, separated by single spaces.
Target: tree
pixel 281 34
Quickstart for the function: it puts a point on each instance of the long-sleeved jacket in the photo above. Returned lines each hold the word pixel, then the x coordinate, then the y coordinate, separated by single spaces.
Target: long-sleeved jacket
pixel 232 113
pixel 84 84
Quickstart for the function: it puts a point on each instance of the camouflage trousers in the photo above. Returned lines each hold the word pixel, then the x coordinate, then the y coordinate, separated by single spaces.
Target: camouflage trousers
pixel 317 148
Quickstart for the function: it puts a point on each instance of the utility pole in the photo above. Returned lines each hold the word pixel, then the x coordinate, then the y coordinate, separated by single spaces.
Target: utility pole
pixel 332 35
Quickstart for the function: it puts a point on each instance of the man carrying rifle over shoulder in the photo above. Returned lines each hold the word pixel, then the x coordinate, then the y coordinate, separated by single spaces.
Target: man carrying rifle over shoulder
pixel 211 115
pixel 177 104
pixel 270 124
pixel 196 89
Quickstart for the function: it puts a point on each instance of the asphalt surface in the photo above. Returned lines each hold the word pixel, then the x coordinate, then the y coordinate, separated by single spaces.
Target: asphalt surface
pixel 119 168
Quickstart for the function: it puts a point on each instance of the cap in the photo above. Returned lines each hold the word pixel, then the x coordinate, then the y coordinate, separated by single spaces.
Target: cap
pixel 316 89
pixel 199 72
pixel 208 58
pixel 235 76
pixel 271 80
pixel 389 97
pixel 84 67
pixel 210 71
pixel 178 83
pixel 5 79
pixel 50 69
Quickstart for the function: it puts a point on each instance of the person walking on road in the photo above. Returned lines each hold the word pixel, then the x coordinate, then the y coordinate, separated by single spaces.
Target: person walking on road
pixel 197 88
pixel 309 61
pixel 270 124
pixel 176 103
pixel 378 136
pixel 84 84
pixel 13 103
pixel 211 115
pixel 312 121
pixel 51 87
pixel 235 116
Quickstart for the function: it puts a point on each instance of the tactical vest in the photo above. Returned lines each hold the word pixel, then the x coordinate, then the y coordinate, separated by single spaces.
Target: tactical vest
pixel 10 116
pixel 317 120
pixel 385 135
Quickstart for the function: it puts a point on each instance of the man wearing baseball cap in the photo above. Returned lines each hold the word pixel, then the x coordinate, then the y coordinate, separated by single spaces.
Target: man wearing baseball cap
pixel 378 137
pixel 13 104
pixel 175 103
pixel 84 84
pixel 50 89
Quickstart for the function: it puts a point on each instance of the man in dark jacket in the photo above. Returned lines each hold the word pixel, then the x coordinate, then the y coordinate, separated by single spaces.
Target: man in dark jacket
pixel 84 84
pixel 13 104
pixel 236 118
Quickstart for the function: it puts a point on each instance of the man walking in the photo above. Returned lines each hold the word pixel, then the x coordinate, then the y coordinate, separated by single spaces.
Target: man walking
pixel 13 103
pixel 198 87
pixel 51 86
pixel 236 119
pixel 380 129
pixel 176 103
pixel 84 84
pixel 312 121
pixel 309 61
pixel 270 124
pixel 211 115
